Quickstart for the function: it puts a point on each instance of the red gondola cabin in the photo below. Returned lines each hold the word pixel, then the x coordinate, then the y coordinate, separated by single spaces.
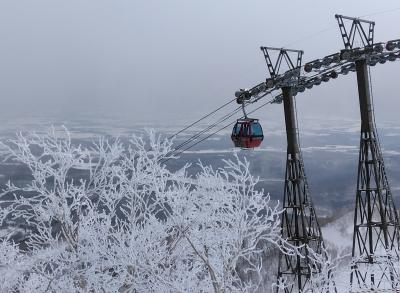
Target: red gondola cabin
pixel 247 133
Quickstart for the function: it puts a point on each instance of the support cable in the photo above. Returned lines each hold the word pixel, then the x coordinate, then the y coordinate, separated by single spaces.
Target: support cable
pixel 315 34
pixel 215 132
pixel 201 119
pixel 381 12
pixel 198 134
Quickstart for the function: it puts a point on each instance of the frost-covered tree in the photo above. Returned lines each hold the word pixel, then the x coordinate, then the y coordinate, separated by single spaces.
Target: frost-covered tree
pixel 113 218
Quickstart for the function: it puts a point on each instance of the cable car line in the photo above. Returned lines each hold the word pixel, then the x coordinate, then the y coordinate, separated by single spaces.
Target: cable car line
pixel 215 132
pixel 226 117
pixel 255 99
pixel 269 102
pixel 198 134
pixel 201 119
pixel 381 12
pixel 314 73
pixel 251 101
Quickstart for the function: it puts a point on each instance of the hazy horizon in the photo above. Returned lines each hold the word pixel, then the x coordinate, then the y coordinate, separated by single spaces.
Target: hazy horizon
pixel 175 60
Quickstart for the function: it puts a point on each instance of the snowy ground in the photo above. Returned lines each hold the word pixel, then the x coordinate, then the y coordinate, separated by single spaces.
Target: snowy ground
pixel 338 234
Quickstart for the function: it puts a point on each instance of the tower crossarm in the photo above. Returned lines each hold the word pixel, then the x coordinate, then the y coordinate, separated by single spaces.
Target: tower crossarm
pixel 317 71
pixel 358 27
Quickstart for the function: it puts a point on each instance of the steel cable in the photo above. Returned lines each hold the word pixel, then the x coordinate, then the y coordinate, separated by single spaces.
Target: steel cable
pixel 201 119
pixel 215 132
pixel 198 134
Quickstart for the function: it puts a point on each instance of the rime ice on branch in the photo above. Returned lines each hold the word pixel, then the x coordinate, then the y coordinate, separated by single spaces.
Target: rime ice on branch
pixel 110 217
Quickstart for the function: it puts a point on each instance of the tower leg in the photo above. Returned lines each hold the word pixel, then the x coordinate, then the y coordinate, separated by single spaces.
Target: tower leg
pixel 376 225
pixel 299 221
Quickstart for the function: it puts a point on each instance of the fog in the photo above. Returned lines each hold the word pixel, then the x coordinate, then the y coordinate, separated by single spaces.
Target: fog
pixel 174 60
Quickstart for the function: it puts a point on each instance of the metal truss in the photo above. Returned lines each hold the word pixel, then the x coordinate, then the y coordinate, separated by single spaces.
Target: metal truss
pixel 274 68
pixel 299 221
pixel 376 224
pixel 365 35
pixel 376 228
pixel 299 227
pixel 376 237
pixel 291 70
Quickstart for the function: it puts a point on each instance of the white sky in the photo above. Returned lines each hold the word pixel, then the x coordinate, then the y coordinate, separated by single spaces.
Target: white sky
pixel 176 59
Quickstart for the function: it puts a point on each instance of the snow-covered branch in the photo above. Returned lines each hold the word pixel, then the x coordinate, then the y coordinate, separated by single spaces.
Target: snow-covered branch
pixel 112 217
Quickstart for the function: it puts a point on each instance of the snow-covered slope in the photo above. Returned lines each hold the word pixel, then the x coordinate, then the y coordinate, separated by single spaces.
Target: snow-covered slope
pixel 338 234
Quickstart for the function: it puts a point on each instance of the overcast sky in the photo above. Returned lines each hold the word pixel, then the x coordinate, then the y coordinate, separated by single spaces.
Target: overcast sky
pixel 175 59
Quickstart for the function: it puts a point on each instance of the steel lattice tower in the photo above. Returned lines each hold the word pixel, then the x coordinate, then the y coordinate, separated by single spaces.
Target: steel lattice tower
pixel 299 220
pixel 376 224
